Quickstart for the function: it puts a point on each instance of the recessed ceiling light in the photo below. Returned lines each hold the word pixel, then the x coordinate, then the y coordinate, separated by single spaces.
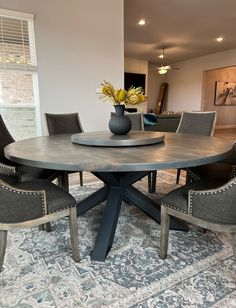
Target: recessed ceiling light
pixel 219 39
pixel 142 22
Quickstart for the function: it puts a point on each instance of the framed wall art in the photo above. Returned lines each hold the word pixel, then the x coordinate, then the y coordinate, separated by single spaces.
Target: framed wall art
pixel 225 93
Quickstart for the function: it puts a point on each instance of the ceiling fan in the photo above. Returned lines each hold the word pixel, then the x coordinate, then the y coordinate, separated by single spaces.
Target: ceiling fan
pixel 163 69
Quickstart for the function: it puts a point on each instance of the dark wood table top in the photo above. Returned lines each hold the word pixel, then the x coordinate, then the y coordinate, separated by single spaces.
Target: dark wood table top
pixel 177 151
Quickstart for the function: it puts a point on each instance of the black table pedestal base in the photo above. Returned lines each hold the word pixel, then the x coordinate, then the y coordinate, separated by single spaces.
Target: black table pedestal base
pixel 118 187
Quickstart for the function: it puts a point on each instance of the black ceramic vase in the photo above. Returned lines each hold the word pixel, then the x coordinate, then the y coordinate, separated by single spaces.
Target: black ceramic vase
pixel 119 123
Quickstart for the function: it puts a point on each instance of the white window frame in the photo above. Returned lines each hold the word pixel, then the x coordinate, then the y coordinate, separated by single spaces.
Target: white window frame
pixel 29 17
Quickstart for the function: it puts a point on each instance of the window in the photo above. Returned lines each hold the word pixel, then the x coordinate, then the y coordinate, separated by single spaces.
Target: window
pixel 19 105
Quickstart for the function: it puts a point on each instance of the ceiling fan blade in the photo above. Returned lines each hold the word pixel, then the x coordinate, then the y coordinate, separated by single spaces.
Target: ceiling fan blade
pixel 169 67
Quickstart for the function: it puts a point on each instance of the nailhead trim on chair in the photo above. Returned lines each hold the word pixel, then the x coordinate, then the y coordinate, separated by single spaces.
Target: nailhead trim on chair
pixel 9 171
pixel 65 208
pixel 211 192
pixel 190 204
pixel 207 192
pixel 22 192
pixel 5 168
pixel 17 175
pixel 173 207
pixel 233 172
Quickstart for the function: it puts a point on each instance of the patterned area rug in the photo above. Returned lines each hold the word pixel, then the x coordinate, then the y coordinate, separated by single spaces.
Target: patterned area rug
pixel 200 270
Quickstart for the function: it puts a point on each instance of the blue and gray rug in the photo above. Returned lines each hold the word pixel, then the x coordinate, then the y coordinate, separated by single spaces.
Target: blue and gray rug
pixel 200 270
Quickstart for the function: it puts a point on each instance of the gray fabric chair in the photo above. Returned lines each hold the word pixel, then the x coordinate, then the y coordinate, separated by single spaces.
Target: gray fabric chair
pixel 201 204
pixel 198 123
pixel 223 170
pixel 66 123
pixel 136 119
pixel 35 203
pixel 25 173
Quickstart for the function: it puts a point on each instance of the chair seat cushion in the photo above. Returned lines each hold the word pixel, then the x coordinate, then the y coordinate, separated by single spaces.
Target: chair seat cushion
pixel 57 199
pixel 178 198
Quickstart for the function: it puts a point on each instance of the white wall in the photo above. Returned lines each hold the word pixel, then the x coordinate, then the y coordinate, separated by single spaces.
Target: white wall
pixel 185 84
pixel 79 43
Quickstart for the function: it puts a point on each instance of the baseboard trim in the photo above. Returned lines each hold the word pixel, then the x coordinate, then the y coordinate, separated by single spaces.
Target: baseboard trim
pixel 225 126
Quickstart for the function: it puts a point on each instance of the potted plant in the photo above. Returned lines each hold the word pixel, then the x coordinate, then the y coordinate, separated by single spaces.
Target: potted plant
pixel 120 124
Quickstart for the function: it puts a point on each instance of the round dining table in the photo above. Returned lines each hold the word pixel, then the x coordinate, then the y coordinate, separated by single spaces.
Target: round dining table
pixel 119 167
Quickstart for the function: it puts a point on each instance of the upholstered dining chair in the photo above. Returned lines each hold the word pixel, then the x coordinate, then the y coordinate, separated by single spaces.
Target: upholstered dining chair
pixel 198 123
pixel 35 203
pixel 66 123
pixel 136 119
pixel 24 173
pixel 204 204
pixel 223 170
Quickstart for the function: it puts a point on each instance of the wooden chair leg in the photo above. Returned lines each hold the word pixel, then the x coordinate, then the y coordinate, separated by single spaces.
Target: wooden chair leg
pixel 234 244
pixel 63 181
pixel 152 181
pixel 165 225
pixel 48 227
pixel 81 178
pixel 74 234
pixel 65 184
pixel 45 227
pixel 178 176
pixel 3 244
pixel 188 179
pixel 149 181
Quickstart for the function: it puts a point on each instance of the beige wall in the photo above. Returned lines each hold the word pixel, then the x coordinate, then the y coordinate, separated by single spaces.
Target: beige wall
pixel 226 115
pixel 137 66
pixel 154 84
pixel 79 44
pixel 185 84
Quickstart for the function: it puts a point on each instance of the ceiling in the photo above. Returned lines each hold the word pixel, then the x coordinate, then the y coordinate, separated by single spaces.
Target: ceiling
pixel 186 28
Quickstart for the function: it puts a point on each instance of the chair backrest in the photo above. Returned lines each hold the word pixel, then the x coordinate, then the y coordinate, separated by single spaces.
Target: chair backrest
pixel 5 139
pixel 66 123
pixel 215 205
pixel 136 119
pixel 201 123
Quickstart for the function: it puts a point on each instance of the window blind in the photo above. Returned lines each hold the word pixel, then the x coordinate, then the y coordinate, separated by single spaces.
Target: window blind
pixel 17 42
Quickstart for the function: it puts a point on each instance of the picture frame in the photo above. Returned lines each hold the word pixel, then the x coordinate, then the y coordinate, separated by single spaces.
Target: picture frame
pixel 225 93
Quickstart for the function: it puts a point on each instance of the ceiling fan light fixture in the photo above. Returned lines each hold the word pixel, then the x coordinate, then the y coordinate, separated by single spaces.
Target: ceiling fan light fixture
pixel 219 39
pixel 142 22
pixel 162 71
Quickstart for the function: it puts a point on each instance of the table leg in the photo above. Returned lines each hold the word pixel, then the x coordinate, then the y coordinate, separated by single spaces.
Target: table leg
pixel 108 225
pixel 94 199
pixel 150 207
pixel 118 187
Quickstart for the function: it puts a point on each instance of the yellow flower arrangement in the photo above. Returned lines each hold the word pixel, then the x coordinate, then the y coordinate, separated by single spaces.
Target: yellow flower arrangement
pixel 119 96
